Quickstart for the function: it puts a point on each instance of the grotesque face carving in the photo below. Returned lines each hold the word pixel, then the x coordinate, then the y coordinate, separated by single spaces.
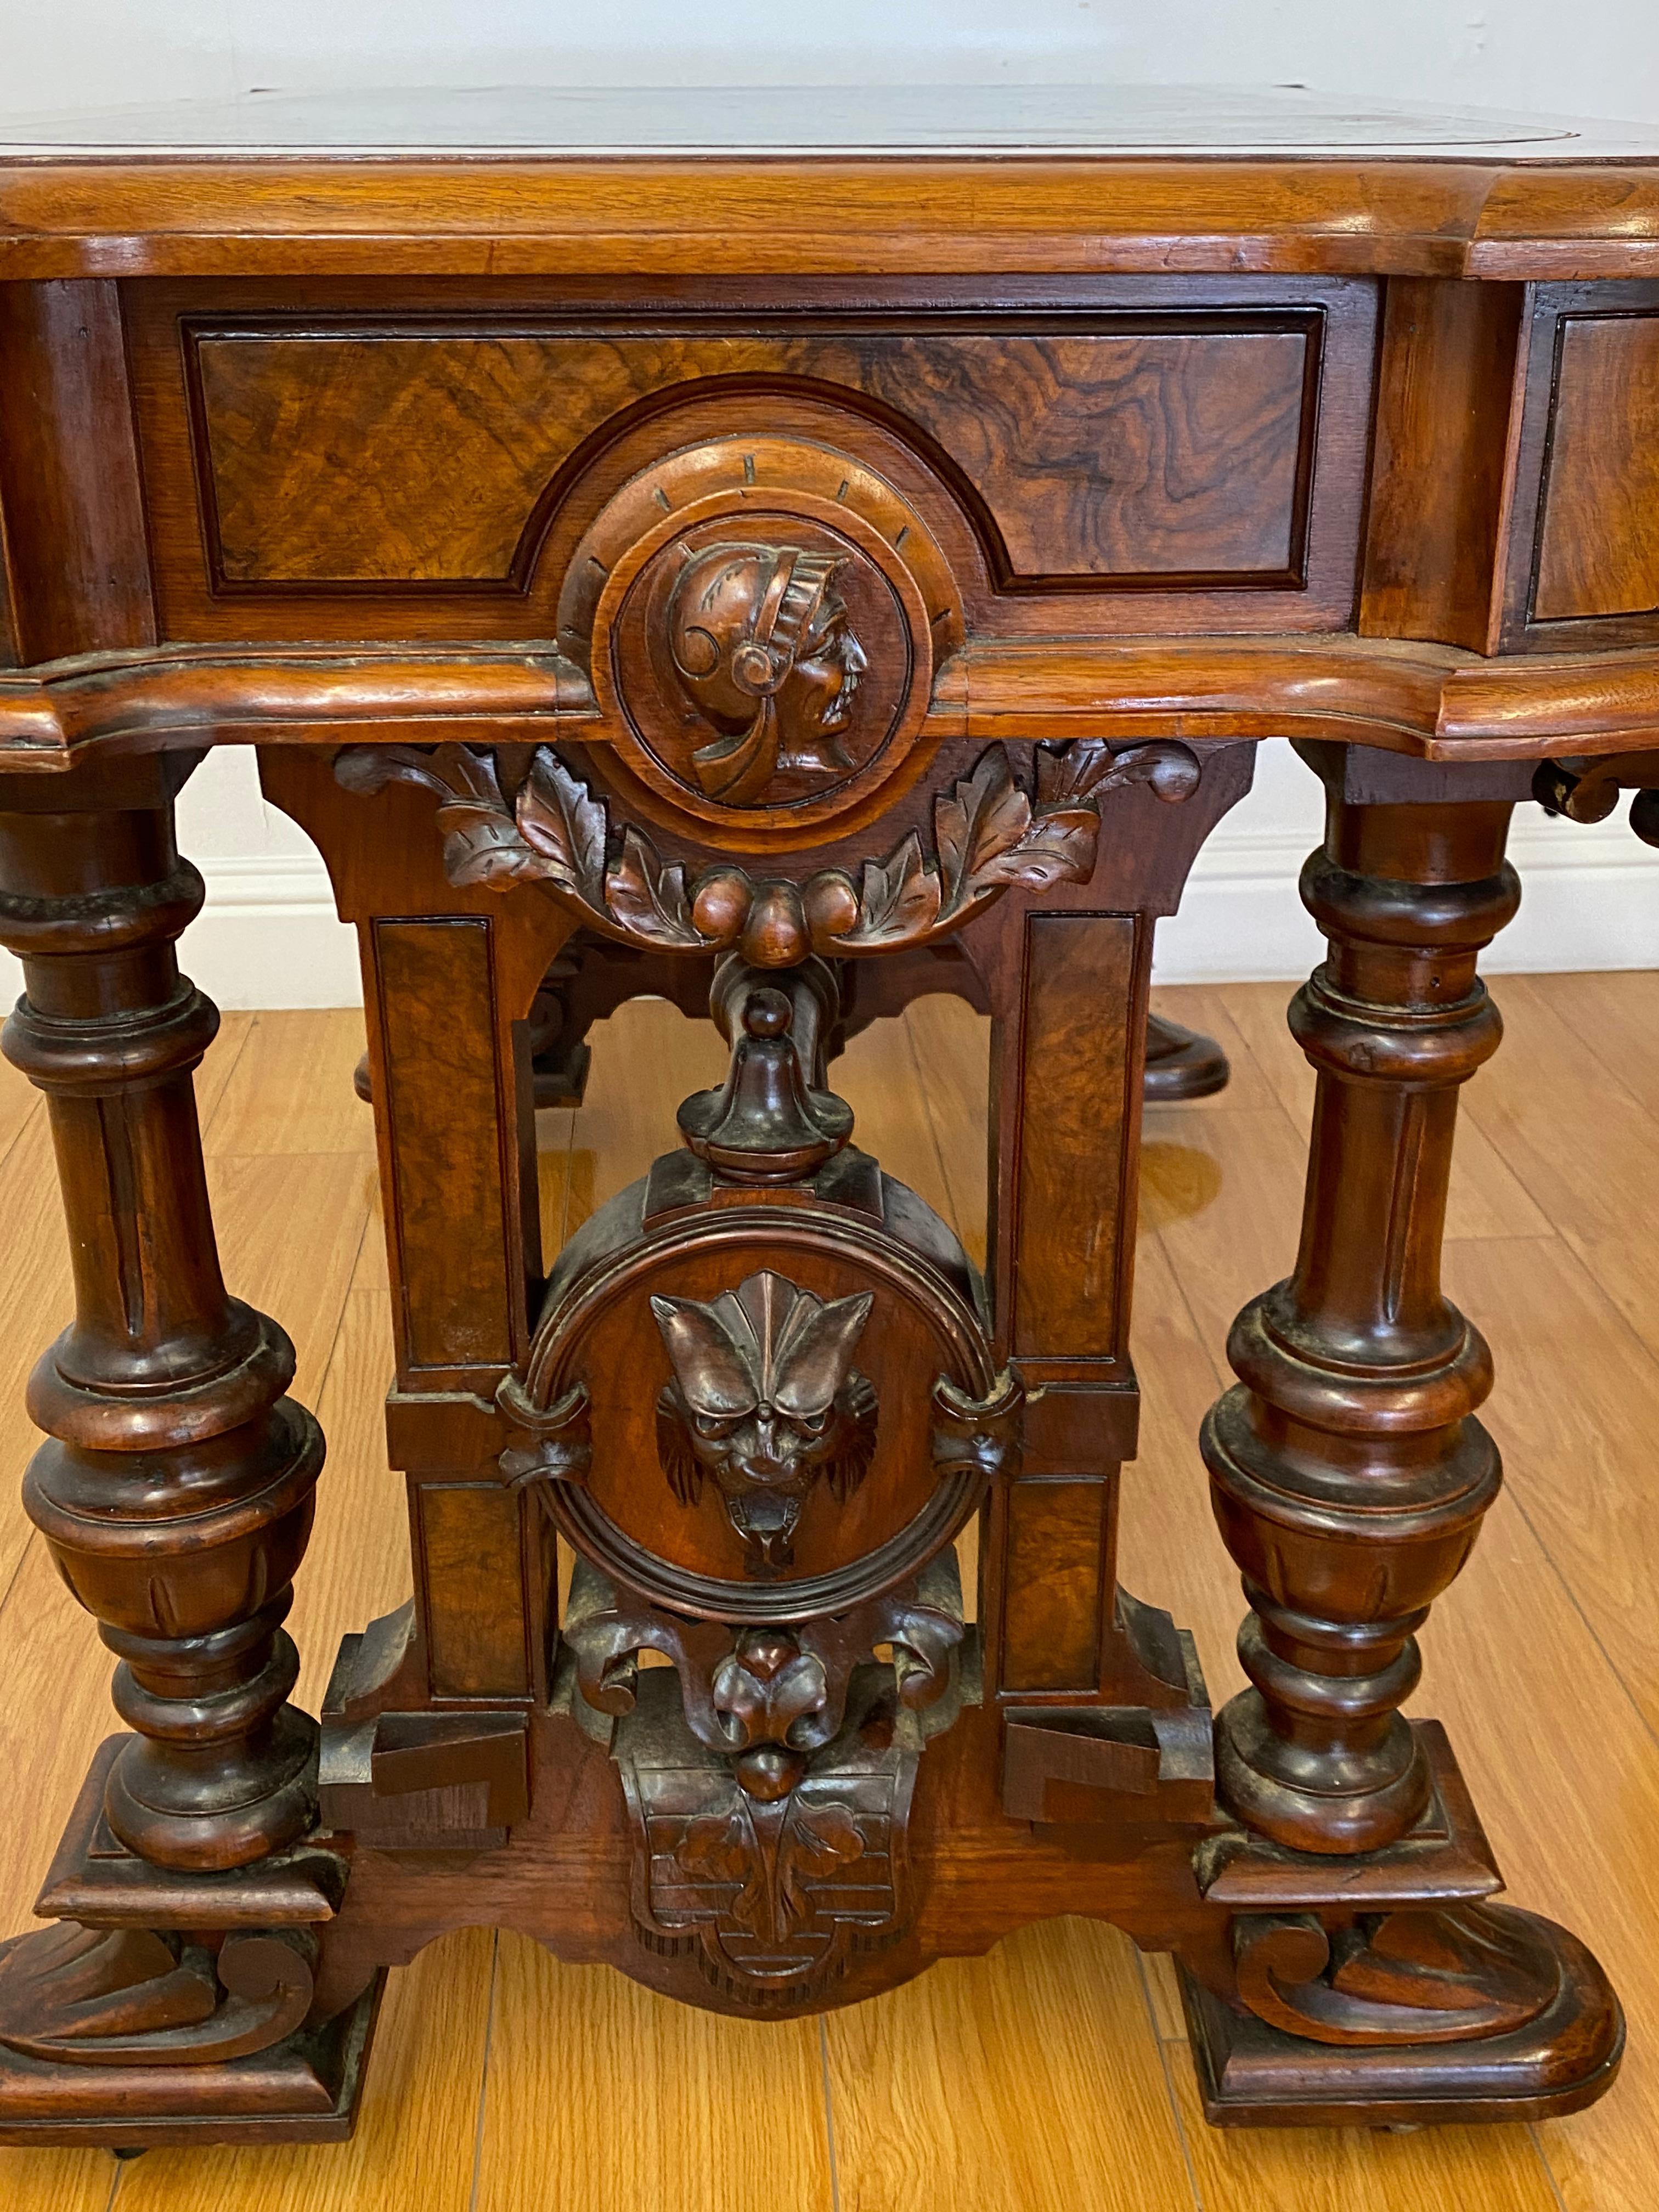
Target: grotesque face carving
pixel 765 1399
pixel 763 649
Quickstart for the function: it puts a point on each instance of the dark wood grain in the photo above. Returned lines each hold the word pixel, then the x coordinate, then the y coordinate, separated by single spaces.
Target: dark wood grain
pixel 1124 456
pixel 1057 1539
pixel 1578 552
pixel 470 1548
pixel 1066 1294
pixel 69 488
pixel 1445 396
pixel 438 1020
pixel 1598 539
pixel 784 566
pixel 1122 451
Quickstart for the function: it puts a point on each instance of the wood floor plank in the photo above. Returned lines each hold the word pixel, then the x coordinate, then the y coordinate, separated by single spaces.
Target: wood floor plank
pixel 56 2181
pixel 1229 1233
pixel 878 1076
pixel 219 1063
pixel 19 1101
pixel 1486 2169
pixel 647 1058
pixel 357 1567
pixel 290 1226
pixel 604 2096
pixel 1169 1553
pixel 1212 1010
pixel 1581 1143
pixel 414 2147
pixel 1028 2081
pixel 1486 1198
pixel 37 1301
pixel 1584 1462
pixel 555 1132
pixel 1615 1018
pixel 952 1046
pixel 55 1714
pixel 291 1092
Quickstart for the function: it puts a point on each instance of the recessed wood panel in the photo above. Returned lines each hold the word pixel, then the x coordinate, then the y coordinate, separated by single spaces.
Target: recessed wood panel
pixel 474 1612
pixel 1052 1603
pixel 1079 974
pixel 437 1015
pixel 1159 451
pixel 1598 541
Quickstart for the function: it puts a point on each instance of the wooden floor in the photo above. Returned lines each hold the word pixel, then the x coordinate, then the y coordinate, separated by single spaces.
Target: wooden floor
pixel 1051 2076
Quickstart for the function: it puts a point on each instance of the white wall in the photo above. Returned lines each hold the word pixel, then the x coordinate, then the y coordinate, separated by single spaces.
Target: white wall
pixel 267 936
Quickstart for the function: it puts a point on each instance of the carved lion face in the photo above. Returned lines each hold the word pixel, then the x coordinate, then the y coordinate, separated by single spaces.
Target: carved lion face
pixel 766 1400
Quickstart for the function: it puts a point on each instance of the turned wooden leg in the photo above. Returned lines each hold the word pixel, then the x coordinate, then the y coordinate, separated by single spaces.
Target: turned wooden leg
pixel 175 1489
pixel 1348 1472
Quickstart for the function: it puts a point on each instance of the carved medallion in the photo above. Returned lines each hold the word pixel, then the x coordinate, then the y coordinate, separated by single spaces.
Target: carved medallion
pixel 765 650
pixel 760 619
pixel 765 1399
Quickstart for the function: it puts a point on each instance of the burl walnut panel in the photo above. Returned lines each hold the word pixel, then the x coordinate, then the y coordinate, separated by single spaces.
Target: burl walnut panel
pixel 1580 565
pixel 438 1016
pixel 1598 539
pixel 469 1534
pixel 1065 1302
pixel 319 473
pixel 1058 1539
pixel 1114 455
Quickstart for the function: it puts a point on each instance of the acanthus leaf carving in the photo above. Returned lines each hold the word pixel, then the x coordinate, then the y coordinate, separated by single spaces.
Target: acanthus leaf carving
pixel 560 819
pixel 646 901
pixel 483 844
pixel 990 834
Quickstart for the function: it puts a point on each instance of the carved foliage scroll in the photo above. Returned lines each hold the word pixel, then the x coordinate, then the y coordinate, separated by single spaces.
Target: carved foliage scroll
pixel 990 832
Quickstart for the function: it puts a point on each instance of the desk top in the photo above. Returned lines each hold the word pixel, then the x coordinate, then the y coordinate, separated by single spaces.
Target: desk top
pixel 1000 122
pixel 961 181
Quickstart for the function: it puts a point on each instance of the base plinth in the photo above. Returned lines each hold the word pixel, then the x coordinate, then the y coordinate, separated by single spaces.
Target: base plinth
pixel 159 2007
pixel 1251 2074
pixel 304 2090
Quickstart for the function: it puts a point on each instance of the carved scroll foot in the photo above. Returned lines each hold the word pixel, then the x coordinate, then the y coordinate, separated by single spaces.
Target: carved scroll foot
pixel 1409 2017
pixel 173 2007
pixel 1387 1987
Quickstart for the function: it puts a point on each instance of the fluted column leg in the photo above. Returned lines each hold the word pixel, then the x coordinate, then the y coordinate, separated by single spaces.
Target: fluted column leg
pixel 1348 1472
pixel 175 1488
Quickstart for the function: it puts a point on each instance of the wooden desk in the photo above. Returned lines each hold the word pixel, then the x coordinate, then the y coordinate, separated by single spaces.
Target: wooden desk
pixel 791 556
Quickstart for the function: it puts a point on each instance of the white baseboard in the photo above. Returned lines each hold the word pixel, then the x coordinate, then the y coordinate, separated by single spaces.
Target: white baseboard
pixel 1589 900
pixel 269 937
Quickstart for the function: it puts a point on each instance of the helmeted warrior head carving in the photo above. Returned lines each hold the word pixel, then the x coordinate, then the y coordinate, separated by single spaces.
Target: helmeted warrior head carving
pixel 766 1398
pixel 762 647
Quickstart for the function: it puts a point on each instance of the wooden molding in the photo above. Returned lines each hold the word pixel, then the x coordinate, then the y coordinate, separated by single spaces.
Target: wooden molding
pixel 1438 703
